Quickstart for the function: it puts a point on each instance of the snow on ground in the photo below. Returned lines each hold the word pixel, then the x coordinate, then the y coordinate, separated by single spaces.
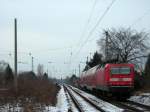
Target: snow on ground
pixel 72 105
pixel 86 106
pixel 143 98
pixel 62 102
pixel 61 106
pixel 10 108
pixel 51 109
pixel 104 105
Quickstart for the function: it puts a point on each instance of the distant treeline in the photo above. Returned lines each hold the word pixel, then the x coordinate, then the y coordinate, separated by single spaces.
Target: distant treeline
pixel 7 75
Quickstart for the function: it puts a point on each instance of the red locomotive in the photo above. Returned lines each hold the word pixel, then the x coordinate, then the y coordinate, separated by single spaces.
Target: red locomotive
pixel 112 78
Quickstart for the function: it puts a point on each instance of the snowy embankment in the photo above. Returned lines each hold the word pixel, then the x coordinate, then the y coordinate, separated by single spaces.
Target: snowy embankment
pixel 143 98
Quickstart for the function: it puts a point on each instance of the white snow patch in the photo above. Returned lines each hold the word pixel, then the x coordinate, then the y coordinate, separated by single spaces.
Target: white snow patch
pixel 144 98
pixel 51 109
pixel 62 102
pixel 10 108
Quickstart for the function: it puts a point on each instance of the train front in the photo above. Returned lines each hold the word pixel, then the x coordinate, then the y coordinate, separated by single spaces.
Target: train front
pixel 120 78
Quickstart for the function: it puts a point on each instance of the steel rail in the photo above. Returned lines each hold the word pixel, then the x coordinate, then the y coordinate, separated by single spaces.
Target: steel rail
pixel 139 104
pixel 129 106
pixel 77 104
pixel 89 101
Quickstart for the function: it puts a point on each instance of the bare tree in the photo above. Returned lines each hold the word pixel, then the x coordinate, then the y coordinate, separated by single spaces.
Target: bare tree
pixel 96 59
pixel 40 70
pixel 124 45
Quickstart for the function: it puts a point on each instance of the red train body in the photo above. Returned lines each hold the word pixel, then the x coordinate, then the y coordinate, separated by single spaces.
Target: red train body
pixel 114 78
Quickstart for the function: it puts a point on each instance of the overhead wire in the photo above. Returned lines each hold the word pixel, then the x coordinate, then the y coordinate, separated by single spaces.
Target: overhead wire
pixel 140 18
pixel 98 22
pixel 85 27
pixel 87 23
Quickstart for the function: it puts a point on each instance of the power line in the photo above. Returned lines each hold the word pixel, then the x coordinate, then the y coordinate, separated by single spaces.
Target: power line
pixel 84 29
pixel 140 18
pixel 88 21
pixel 98 22
pixel 86 25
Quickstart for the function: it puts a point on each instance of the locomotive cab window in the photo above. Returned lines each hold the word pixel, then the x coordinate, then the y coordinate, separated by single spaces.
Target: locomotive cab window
pixel 120 70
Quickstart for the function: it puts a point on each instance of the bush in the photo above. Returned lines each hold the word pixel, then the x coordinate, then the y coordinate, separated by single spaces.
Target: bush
pixel 41 91
pixel 31 89
pixel 139 81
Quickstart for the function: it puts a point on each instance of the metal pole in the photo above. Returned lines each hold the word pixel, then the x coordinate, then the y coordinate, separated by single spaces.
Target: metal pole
pixel 50 70
pixel 79 69
pixel 32 64
pixel 15 57
pixel 75 72
pixel 47 72
pixel 87 59
pixel 106 46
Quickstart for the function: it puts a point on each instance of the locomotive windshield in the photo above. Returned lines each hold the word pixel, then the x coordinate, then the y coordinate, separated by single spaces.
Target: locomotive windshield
pixel 120 70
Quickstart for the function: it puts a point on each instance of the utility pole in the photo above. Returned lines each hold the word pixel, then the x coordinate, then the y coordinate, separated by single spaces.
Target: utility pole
pixel 32 64
pixel 15 57
pixel 75 71
pixel 87 59
pixel 106 45
pixel 50 71
pixel 79 69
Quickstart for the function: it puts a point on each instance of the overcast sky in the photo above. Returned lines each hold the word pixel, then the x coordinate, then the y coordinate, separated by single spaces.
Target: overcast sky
pixel 51 29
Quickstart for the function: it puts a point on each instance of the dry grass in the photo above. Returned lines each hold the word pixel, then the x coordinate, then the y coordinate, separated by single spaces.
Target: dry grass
pixel 32 91
pixel 39 90
pixel 32 96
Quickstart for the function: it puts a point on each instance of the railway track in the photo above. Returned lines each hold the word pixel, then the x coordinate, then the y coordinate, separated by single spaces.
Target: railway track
pixel 138 104
pixel 81 107
pixel 78 106
pixel 135 106
pixel 128 106
pixel 68 99
pixel 99 103
pixel 131 107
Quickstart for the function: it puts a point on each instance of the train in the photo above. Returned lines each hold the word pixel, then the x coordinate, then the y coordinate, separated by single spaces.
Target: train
pixel 117 79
